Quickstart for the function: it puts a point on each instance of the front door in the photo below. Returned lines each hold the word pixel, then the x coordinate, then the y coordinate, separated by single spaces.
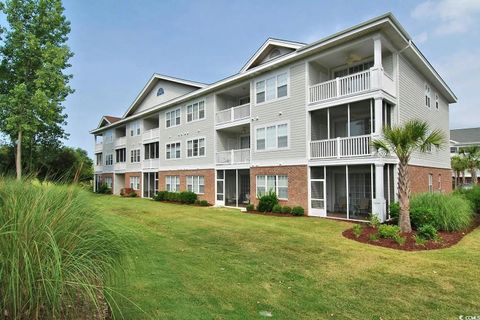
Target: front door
pixel 317 186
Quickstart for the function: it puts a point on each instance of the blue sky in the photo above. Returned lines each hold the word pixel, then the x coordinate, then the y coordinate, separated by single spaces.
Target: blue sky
pixel 119 44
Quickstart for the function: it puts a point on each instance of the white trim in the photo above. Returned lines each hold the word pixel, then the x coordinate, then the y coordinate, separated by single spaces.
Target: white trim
pixel 139 155
pixel 266 184
pixel 191 104
pixel 271 124
pixel 264 78
pixel 180 147
pixel 205 147
pixel 197 184
pixel 180 117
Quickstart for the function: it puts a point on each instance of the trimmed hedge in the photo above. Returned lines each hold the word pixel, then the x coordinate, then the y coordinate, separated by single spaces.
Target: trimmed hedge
pixel 277 208
pixel 186 197
pixel 298 211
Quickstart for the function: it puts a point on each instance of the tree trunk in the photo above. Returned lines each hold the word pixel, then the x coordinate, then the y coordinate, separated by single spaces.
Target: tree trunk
pixel 455 181
pixel 463 177
pixel 474 176
pixel 404 196
pixel 18 156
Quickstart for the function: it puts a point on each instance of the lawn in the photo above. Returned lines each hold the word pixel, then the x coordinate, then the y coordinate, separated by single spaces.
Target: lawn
pixel 208 263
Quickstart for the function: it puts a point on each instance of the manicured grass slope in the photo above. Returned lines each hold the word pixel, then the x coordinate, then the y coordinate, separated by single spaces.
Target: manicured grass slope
pixel 206 263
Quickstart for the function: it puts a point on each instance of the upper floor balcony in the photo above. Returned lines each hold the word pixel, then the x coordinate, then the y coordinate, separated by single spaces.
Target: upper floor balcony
pixel 151 134
pixel 121 141
pixel 151 129
pixel 233 145
pixel 120 136
pixel 233 106
pixel 240 156
pixel 120 166
pixel 151 163
pixel 98 146
pixel 353 70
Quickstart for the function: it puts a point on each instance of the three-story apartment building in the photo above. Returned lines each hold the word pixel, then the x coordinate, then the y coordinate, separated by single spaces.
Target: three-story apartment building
pixel 297 119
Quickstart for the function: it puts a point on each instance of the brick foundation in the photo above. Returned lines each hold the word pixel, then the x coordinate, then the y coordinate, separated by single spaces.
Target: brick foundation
pixel 208 174
pixel 419 179
pixel 127 180
pixel 297 184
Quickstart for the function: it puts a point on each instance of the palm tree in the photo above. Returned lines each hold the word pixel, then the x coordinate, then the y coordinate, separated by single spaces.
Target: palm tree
pixel 472 160
pixel 403 141
pixel 459 166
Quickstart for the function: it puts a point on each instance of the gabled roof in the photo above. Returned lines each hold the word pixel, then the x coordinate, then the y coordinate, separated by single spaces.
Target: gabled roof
pixel 108 120
pixel 466 135
pixel 265 49
pixel 153 80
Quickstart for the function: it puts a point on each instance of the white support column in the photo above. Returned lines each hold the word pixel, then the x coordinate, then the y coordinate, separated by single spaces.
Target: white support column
pixel 94 182
pixel 378 111
pixel 379 203
pixel 376 71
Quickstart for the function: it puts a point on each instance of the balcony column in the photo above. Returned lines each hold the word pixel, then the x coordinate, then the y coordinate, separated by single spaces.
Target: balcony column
pixel 378 112
pixel 376 71
pixel 379 204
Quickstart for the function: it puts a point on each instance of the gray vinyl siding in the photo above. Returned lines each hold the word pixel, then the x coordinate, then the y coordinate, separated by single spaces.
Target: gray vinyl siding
pixel 291 110
pixel 108 148
pixel 186 131
pixel 134 142
pixel 411 104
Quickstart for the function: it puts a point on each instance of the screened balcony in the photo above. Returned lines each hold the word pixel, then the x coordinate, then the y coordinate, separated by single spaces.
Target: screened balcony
pixel 151 128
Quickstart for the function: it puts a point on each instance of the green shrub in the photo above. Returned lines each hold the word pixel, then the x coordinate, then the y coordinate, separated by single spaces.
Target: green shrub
pixel 187 197
pixel 399 239
pixel 298 211
pixel 472 195
pixel 277 208
pixel 203 203
pixel 267 202
pixel 132 194
pixel 374 221
pixel 388 231
pixel 104 189
pixel 56 252
pixel 172 196
pixel 427 232
pixel 420 215
pixel 286 209
pixel 394 212
pixel 419 241
pixel 357 230
pixel 374 236
pixel 160 196
pixel 449 212
pixel 250 207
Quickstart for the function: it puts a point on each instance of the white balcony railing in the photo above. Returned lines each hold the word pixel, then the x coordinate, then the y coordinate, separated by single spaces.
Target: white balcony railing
pixel 339 87
pixel 341 147
pixel 233 114
pixel 121 141
pixel 151 134
pixel 233 156
pixel 98 168
pixel 98 147
pixel 120 166
pixel 150 164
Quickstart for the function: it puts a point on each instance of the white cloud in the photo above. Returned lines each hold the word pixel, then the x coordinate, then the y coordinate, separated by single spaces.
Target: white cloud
pixel 452 16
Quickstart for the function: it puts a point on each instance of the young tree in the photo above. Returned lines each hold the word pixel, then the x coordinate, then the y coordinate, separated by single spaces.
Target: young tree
pixel 33 85
pixel 458 165
pixel 472 160
pixel 403 141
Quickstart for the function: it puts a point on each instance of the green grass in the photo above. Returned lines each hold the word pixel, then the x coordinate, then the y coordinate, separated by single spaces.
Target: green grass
pixel 207 263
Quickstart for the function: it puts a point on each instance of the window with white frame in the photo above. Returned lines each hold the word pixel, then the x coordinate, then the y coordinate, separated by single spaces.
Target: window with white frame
pixel 196 184
pixel 272 137
pixel 172 118
pixel 173 151
pixel 430 182
pixel 437 105
pixel 427 96
pixel 152 150
pixel 272 88
pixel 196 148
pixel 98 157
pixel 109 159
pixel 108 181
pixel 273 183
pixel 439 182
pixel 108 137
pixel 135 182
pixel 120 155
pixel 172 183
pixel 135 128
pixel 196 111
pixel 135 155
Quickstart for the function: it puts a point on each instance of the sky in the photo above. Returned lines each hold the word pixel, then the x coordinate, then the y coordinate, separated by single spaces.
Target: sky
pixel 119 44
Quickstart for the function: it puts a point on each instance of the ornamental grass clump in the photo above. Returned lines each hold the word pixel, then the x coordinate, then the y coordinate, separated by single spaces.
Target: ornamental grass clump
pixel 56 256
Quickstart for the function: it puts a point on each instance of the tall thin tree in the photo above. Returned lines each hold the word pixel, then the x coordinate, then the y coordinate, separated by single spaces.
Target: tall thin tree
pixel 403 141
pixel 472 160
pixel 33 82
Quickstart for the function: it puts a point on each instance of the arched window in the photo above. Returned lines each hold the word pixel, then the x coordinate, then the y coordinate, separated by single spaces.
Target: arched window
pixel 160 91
pixel 274 53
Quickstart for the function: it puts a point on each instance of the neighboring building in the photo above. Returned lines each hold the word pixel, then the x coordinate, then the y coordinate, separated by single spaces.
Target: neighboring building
pixel 297 119
pixel 461 138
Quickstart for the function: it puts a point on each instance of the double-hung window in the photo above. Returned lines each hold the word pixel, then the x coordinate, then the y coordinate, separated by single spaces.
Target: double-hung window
pixel 196 111
pixel 172 183
pixel 135 182
pixel 430 182
pixel 135 155
pixel 272 137
pixel 196 184
pixel 120 155
pixel 152 150
pixel 437 106
pixel 173 151
pixel 272 88
pixel 109 159
pixel 427 96
pixel 99 159
pixel 273 183
pixel 172 118
pixel 196 148
pixel 135 128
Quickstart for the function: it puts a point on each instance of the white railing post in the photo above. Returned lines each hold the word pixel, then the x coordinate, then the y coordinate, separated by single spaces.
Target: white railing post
pixel 338 148
pixel 338 90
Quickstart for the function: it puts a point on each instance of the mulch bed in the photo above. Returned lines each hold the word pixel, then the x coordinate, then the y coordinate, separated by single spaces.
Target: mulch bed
pixel 447 239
